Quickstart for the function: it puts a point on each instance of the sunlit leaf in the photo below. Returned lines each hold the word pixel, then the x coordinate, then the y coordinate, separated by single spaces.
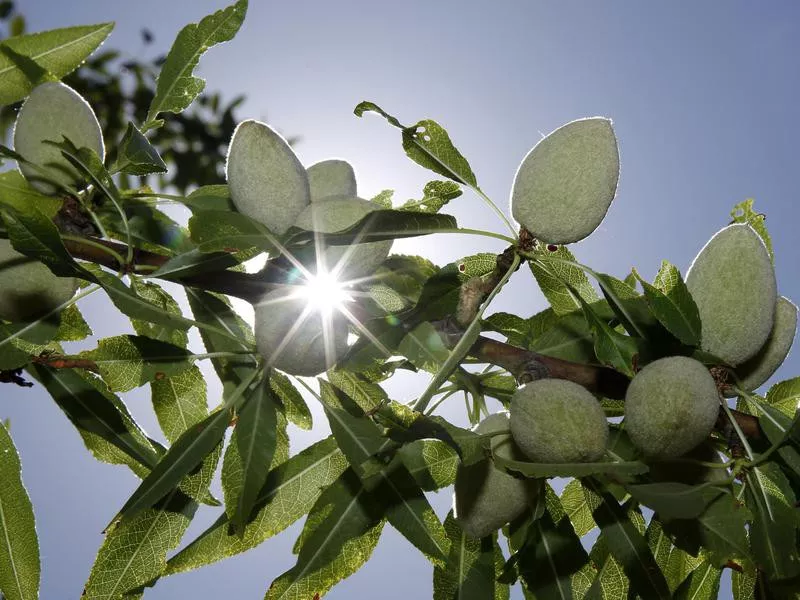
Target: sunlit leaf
pixel 552 276
pixel 339 536
pixel 19 547
pixel 177 86
pixel 129 361
pixel 745 213
pixel 291 490
pixel 59 51
pixel 17 193
pixel 294 406
pixel 179 402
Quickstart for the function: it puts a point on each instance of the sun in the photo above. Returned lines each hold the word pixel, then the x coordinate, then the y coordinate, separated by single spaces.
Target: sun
pixel 324 292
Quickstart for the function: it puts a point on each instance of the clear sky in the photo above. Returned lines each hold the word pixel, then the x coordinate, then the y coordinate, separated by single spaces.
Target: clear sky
pixel 704 100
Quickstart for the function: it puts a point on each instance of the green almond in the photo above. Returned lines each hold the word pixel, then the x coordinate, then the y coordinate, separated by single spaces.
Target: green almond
pixel 339 213
pixel 754 372
pixel 566 183
pixel 671 406
pixel 52 112
pixel 266 180
pixel 558 421
pixel 28 289
pixel 295 337
pixel 732 281
pixel 331 178
pixel 486 498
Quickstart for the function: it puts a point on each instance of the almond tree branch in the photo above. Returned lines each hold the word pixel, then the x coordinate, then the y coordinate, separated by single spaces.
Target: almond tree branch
pixel 524 365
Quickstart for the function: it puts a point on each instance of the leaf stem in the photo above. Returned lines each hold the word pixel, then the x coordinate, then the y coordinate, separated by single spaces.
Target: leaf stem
pixel 738 430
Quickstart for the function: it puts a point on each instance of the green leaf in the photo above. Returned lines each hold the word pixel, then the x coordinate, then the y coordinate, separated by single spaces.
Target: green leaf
pixel 216 310
pixel 785 396
pixel 428 144
pixel 19 547
pixel 672 304
pixel 569 338
pixel 254 439
pixel 338 538
pixel 626 543
pixel 773 536
pixel 551 555
pixel 432 463
pixel 470 572
pixel 408 511
pixel 59 51
pixel 435 195
pixel 154 294
pixel 210 197
pixel 367 395
pixel 179 402
pixel 722 528
pixel 184 455
pixel 73 327
pixel 702 584
pixel 35 235
pixel 136 155
pixel 553 275
pixel 222 230
pixel 294 406
pixel 376 226
pixel 177 87
pixel 195 262
pixel 676 564
pixel 292 488
pixel 611 582
pixel 629 307
pixel 577 508
pixel 624 470
pixel 134 553
pixel 138 307
pixel 611 347
pixel 745 213
pixel 424 347
pixel 128 361
pixel 358 437
pixel 17 193
pixel 105 425
pixel 673 500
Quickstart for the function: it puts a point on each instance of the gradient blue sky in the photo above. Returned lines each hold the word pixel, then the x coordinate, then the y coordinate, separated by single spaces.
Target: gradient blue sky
pixel 704 100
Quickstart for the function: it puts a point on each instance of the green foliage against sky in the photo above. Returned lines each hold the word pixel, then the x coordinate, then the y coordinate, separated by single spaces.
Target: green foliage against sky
pixel 652 536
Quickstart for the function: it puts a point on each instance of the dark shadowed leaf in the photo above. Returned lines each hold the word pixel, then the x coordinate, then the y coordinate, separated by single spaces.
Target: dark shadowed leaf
pixel 623 470
pixel 673 500
pixel 472 567
pixel 773 532
pixel 672 304
pixel 136 155
pixel 255 442
pixel 626 543
pixel 106 427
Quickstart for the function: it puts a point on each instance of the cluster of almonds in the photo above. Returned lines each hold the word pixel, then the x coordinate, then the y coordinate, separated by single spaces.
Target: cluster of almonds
pixel 268 183
pixel 28 289
pixel 562 192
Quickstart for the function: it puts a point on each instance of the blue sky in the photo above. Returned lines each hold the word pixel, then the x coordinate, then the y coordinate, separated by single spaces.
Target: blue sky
pixel 704 100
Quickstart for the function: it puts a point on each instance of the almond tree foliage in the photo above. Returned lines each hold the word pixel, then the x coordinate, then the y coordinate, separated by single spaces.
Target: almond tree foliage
pixel 120 89
pixel 659 530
